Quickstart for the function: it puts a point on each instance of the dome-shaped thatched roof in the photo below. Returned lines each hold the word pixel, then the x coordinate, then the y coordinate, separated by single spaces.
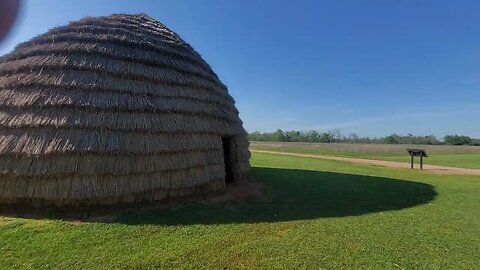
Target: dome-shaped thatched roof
pixel 114 109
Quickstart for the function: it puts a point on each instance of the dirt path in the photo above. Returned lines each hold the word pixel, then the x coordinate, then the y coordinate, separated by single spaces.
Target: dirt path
pixel 383 163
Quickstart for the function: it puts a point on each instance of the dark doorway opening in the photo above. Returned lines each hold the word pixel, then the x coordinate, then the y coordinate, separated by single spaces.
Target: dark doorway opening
pixel 228 159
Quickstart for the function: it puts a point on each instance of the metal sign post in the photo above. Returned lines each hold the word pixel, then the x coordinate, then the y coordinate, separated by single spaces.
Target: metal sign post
pixel 414 152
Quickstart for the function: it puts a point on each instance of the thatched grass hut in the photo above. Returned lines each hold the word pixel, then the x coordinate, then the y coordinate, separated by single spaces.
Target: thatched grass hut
pixel 114 109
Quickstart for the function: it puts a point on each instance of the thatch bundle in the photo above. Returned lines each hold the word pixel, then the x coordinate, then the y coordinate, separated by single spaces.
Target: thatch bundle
pixel 114 109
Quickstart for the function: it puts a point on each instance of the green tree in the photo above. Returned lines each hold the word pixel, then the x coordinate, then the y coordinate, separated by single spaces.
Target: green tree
pixel 294 136
pixel 457 140
pixel 278 136
pixel 392 139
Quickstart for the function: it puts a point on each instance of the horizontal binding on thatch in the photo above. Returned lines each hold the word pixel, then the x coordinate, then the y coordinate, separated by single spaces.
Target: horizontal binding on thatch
pixel 91 81
pixel 107 102
pixel 144 22
pixel 143 35
pixel 48 140
pixel 168 123
pixel 152 28
pixel 243 154
pixel 72 126
pixel 114 164
pixel 138 34
pixel 37 91
pixel 113 53
pixel 117 68
pixel 13 133
pixel 131 25
pixel 213 187
pixel 142 32
pixel 107 38
pixel 46 96
pixel 107 76
pixel 79 187
pixel 107 174
pixel 92 109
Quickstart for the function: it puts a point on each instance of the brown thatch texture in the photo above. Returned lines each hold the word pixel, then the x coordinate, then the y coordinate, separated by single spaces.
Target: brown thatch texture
pixel 113 109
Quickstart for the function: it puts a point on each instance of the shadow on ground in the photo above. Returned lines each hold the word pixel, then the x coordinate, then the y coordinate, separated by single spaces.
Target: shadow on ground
pixel 298 195
pixel 290 195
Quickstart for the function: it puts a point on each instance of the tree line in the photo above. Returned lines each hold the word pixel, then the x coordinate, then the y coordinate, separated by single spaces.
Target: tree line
pixel 335 136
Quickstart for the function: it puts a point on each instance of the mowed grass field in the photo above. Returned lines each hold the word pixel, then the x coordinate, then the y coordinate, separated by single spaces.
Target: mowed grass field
pixel 314 214
pixel 454 156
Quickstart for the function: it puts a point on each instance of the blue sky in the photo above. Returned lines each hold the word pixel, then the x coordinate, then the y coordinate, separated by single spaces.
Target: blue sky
pixel 373 67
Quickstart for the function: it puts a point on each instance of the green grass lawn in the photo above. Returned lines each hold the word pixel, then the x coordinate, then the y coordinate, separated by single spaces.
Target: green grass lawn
pixel 315 214
pixel 443 158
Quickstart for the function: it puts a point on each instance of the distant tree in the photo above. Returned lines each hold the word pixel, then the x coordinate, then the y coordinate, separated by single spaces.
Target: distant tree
pixel 457 140
pixel 294 136
pixel 255 136
pixel 392 139
pixel 312 136
pixel 352 137
pixel 336 136
pixel 326 137
pixel 431 139
pixel 475 142
pixel 278 136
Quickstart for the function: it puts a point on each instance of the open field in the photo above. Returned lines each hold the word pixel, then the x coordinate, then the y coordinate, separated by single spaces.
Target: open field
pixel 443 155
pixel 382 163
pixel 313 214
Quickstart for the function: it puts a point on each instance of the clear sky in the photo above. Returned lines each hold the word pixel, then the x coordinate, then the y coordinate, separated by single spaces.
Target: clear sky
pixel 373 67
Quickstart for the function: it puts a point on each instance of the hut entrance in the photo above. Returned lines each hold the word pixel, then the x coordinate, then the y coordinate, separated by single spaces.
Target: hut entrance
pixel 228 158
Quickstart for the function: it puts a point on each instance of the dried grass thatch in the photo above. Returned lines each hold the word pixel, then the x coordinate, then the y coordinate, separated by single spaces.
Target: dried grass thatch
pixel 113 109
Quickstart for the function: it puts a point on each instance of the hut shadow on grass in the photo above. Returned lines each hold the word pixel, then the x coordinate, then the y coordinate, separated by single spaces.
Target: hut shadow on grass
pixel 297 195
pixel 289 195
